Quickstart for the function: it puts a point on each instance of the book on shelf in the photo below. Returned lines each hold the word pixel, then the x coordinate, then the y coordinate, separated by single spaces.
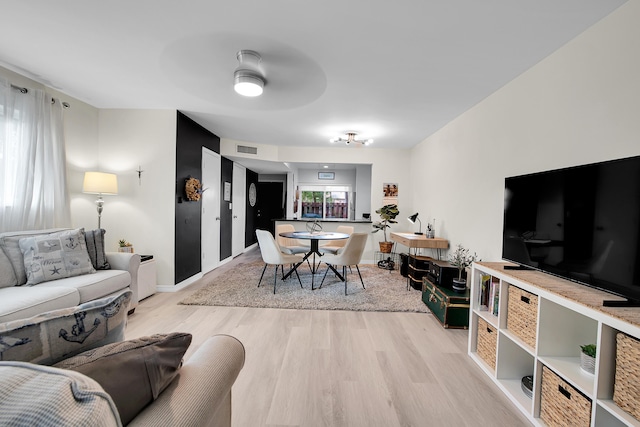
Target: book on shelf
pixel 489 295
pixel 495 292
pixel 485 289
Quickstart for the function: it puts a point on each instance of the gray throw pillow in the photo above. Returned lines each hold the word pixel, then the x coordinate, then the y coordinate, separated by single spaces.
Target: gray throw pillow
pixel 95 247
pixel 55 256
pixel 10 244
pixel 56 335
pixel 7 275
pixel 134 372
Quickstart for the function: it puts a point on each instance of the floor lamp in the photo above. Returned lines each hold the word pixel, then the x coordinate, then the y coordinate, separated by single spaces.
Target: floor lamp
pixel 100 183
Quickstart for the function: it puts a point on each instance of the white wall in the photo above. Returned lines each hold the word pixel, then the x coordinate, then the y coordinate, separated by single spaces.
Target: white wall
pixel 363 189
pixel 341 177
pixel 143 212
pixel 119 141
pixel 580 105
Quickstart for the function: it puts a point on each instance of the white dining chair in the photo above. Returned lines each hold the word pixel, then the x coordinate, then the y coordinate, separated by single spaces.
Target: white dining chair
pixel 350 255
pixel 288 245
pixel 271 255
pixel 335 246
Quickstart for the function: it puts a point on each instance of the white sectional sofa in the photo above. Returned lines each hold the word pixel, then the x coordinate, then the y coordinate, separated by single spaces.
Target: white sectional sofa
pixel 18 300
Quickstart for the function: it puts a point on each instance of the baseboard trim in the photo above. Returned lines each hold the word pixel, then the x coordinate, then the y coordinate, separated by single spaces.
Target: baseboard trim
pixel 179 286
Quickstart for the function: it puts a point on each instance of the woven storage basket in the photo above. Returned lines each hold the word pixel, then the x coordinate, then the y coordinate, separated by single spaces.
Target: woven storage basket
pixel 561 404
pixel 626 389
pixel 522 315
pixel 487 342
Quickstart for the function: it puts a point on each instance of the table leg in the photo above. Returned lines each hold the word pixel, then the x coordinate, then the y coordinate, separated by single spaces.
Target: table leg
pixel 314 250
pixel 295 266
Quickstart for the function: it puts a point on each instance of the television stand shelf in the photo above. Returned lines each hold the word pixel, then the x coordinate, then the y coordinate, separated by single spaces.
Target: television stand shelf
pixel 550 319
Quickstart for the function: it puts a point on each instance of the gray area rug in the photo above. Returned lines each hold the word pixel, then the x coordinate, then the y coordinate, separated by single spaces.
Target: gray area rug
pixel 385 290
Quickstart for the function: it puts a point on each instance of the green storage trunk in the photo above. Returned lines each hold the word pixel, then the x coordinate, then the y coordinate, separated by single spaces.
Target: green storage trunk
pixel 450 307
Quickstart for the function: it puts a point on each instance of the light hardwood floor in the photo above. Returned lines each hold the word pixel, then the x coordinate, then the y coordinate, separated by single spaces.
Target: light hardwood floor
pixel 338 368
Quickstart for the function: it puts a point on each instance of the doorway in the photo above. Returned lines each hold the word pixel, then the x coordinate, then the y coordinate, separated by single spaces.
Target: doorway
pixel 238 209
pixel 210 219
pixel 269 204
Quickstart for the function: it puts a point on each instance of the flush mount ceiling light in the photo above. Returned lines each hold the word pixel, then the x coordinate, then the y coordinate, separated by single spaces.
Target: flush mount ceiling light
pixel 248 80
pixel 351 139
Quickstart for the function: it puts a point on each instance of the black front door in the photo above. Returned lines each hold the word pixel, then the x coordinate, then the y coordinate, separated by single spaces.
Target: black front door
pixel 269 204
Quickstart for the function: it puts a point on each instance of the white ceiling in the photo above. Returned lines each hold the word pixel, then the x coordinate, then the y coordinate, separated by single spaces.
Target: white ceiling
pixel 395 71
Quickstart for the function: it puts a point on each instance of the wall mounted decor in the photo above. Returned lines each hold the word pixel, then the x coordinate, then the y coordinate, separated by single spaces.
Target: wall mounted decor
pixel 390 193
pixel 139 171
pixel 253 195
pixel 326 175
pixel 193 188
pixel 227 191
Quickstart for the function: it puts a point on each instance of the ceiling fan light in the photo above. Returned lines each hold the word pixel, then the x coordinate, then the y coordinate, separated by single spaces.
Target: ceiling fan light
pixel 351 138
pixel 248 84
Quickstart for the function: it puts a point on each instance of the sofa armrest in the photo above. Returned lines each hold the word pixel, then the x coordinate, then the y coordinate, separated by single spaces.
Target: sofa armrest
pixel 201 393
pixel 128 262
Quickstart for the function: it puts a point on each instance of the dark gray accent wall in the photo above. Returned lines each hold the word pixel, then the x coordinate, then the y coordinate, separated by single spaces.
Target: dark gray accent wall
pixel 252 212
pixel 226 215
pixel 190 138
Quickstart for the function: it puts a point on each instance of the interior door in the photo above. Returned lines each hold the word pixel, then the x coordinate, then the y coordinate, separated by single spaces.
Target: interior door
pixel 239 209
pixel 210 210
pixel 269 205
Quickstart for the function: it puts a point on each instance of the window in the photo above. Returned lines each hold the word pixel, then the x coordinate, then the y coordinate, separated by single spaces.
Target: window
pixel 33 192
pixel 325 202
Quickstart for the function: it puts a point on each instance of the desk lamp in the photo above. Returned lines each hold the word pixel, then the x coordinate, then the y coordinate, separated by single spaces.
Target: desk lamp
pixel 413 219
pixel 100 183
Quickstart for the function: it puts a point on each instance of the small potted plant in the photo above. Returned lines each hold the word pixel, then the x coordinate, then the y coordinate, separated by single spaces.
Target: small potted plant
pixel 388 214
pixel 588 358
pixel 124 246
pixel 461 259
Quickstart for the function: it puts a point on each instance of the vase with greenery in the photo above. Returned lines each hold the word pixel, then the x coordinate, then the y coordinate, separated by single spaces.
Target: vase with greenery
pixel 388 214
pixel 431 232
pixel 461 259
pixel 588 358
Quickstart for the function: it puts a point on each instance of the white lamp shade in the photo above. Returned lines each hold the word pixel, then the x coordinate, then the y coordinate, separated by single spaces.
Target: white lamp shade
pixel 100 183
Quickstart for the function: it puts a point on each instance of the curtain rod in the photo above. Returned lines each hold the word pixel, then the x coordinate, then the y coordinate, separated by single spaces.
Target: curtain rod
pixel 25 90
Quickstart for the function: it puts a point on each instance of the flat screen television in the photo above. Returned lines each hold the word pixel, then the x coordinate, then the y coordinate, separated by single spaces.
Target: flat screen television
pixel 580 223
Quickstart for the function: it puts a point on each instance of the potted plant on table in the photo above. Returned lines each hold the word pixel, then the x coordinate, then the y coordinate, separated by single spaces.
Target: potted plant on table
pixel 461 259
pixel 388 214
pixel 431 233
pixel 124 246
pixel 588 358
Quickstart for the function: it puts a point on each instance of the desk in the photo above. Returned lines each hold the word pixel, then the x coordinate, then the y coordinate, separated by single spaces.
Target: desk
pixel 314 237
pixel 415 241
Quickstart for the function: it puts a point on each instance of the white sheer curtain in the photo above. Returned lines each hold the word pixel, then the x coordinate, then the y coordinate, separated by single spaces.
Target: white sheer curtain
pixel 33 183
